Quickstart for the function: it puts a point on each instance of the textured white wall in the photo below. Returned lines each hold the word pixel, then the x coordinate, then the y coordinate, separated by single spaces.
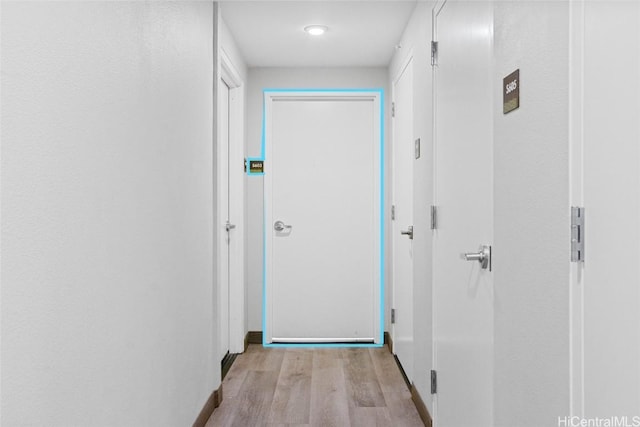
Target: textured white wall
pixel 300 78
pixel 531 246
pixel 416 41
pixel 107 239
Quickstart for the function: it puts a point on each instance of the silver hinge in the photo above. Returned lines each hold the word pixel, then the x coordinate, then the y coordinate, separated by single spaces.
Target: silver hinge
pixel 434 217
pixel 434 53
pixel 393 212
pixel 393 109
pixel 434 382
pixel 393 315
pixel 577 234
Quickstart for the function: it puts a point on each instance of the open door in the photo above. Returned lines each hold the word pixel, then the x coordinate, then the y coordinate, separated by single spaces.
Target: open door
pixel 402 218
pixel 463 283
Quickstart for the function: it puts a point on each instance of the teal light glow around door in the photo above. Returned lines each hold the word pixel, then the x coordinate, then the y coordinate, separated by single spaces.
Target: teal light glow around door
pixel 382 221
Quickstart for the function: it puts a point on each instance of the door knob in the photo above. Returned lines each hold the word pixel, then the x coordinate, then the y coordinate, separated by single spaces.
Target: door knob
pixel 228 226
pixel 483 256
pixel 281 226
pixel 408 232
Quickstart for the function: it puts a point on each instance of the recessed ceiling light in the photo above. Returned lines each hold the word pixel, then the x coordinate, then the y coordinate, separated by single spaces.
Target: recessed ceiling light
pixel 316 30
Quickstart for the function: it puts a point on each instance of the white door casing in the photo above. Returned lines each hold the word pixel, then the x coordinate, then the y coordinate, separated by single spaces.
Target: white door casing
pixel 230 207
pixel 605 180
pixel 323 164
pixel 463 147
pixel 223 209
pixel 403 158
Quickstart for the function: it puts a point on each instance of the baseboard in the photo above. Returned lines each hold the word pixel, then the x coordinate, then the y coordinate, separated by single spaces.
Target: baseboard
pixel 401 369
pixel 388 341
pixel 421 407
pixel 246 341
pixel 212 403
pixel 254 337
pixel 226 363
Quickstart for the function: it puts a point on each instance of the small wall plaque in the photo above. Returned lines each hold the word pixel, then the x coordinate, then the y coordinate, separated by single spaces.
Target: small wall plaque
pixel 256 166
pixel 511 92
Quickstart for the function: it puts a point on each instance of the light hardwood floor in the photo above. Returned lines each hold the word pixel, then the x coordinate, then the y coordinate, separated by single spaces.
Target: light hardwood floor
pixel 339 387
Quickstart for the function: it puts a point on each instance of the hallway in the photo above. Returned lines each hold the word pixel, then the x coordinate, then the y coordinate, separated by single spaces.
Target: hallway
pixel 315 387
pixel 179 179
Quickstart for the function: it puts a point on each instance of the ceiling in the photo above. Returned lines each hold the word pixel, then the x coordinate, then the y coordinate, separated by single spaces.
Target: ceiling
pixel 361 33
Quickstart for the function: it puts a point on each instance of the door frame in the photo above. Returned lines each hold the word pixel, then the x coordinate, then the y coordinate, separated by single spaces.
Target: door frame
pixel 229 75
pixel 586 378
pixel 576 198
pixel 270 96
pixel 395 228
pixel 399 73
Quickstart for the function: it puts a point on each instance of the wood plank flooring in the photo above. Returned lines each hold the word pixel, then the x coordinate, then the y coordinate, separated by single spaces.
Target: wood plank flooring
pixel 339 387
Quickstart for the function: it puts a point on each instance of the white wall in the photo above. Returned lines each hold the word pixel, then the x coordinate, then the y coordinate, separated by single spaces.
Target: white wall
pixel 531 207
pixel 302 78
pixel 107 213
pixel 416 41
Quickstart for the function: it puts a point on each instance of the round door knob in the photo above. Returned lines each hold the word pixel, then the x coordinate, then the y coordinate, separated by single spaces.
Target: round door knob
pixel 280 226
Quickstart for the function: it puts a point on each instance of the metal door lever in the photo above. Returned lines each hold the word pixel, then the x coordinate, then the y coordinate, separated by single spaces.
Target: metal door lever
pixel 281 226
pixel 228 226
pixel 483 256
pixel 408 232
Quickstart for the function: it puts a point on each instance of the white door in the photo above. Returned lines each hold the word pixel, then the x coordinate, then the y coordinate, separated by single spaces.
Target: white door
pixel 606 181
pixel 224 229
pixel 230 210
pixel 463 290
pixel 322 217
pixel 403 158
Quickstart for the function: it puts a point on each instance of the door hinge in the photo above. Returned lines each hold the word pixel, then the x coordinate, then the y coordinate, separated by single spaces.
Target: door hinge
pixel 434 217
pixel 393 212
pixel 393 109
pixel 434 53
pixel 434 382
pixel 393 315
pixel 577 234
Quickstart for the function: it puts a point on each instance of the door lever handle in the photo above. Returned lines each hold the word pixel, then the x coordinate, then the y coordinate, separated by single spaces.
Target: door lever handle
pixel 483 256
pixel 408 232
